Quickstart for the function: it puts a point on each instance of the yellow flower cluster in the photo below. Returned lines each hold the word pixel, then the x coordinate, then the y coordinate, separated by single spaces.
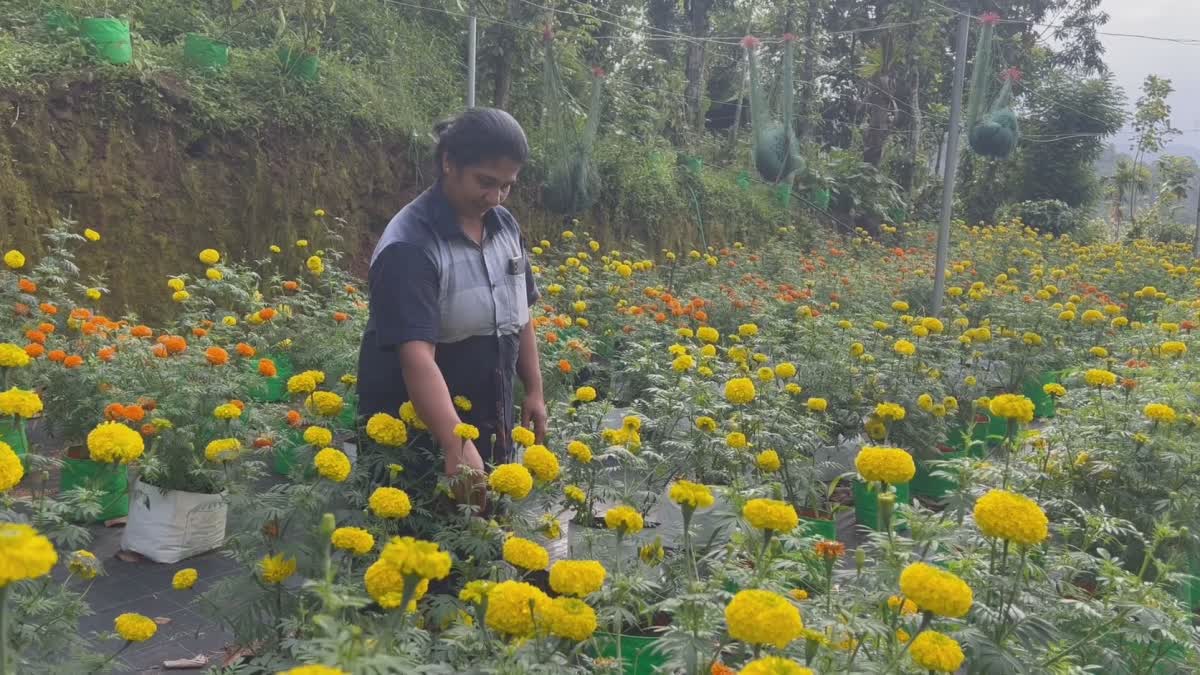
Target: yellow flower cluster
pixel 580 451
pixel 768 461
pixel 389 502
pixel 934 651
pixel 302 383
pixel 773 665
pixel 24 554
pixel 84 565
pixel 691 495
pixel 467 432
pixel 1054 389
pixel 513 480
pixel 20 403
pixel 387 430
pixel 416 557
pixel 475 592
pixel 227 411
pixel 568 618
pixel 624 519
pixel 1098 377
pixel 1012 407
pixel 276 569
pixel 816 405
pixel 739 390
pixel 1159 412
pixel 318 437
pixel 135 627
pixel 887 465
pixel 525 554
pixel 324 403
pixel 512 606
pixel 579 578
pixel 408 413
pixel 760 617
pixel 114 443
pixel 222 450
pixel 708 334
pixel 1012 517
pixel 523 436
pixel 11 469
pixel 542 463
pixel 185 579
pixel 736 440
pixel 890 411
pixel 574 493
pixel 904 348
pixel 1172 348
pixel 332 464
pixel 771 514
pixel 385 584
pixel 12 356
pixel 935 590
pixel 585 395
pixel 209 256
pixel 353 539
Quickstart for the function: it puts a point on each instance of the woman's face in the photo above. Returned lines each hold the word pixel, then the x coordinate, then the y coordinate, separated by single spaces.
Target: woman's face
pixel 474 189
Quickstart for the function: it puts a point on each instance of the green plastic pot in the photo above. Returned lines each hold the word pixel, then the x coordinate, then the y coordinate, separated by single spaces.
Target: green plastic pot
pixel 1189 591
pixel 285 451
pixel 109 39
pixel 826 528
pixel 298 63
pixel 348 418
pixel 958 438
pixel 866 504
pixel 928 485
pixel 1043 403
pixel 205 53
pixel 113 481
pixel 638 653
pixel 820 197
pixel 9 433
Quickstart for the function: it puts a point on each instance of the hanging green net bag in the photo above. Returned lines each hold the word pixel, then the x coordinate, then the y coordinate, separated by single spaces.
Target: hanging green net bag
pixel 993 133
pixel 776 149
pixel 572 182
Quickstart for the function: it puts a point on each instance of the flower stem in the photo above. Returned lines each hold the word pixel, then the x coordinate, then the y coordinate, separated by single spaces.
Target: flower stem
pixel 5 658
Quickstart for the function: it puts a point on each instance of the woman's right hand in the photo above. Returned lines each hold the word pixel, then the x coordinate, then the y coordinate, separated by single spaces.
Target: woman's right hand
pixel 466 459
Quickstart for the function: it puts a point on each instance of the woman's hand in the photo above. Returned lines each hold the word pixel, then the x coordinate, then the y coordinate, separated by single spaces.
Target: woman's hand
pixel 466 459
pixel 534 415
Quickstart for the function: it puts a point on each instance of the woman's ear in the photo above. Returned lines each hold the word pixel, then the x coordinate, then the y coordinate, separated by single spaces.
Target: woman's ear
pixel 447 166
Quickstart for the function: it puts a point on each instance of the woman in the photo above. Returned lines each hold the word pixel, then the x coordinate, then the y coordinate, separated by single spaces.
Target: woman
pixel 451 288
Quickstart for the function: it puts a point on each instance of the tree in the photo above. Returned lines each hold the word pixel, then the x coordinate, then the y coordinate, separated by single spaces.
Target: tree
pixel 1127 182
pixel 1151 125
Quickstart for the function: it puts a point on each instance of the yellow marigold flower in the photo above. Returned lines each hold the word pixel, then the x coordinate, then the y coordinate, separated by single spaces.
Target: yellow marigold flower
pixel 1054 389
pixel 768 461
pixel 585 394
pixel 1092 316
pixel 817 405
pixel 568 618
pixel 416 557
pixel 222 450
pixel 542 463
pixel 513 480
pixel 315 265
pixel 390 502
pixel 1097 377
pixel 84 565
pixel 920 331
pixel 904 348
pixel 209 256
pixel 25 553
pixel 739 390
pixel 1012 517
pixel 736 440
pixel 385 585
pixel 579 578
pixel 1159 412
pixel 318 436
pixel 301 243
pixel 704 423
pixel 512 606
pixel 857 349
pixel 227 411
pixel 580 451
pixel 276 569
pixel 475 592
pixel 12 356
pixel 114 443
pixel 932 325
pixel 765 374
pixel 387 430
pixel 135 627
pixel 798 594
pixel 793 389
pixel 14 259
pixel 324 403
pixel 708 334
pixel 1098 352
pixel 904 606
pixel 303 383
pixel 1012 407
pixel 934 651
pixel 653 553
pixel 20 403
pixel 691 495
pixel 11 469
pixel 332 464
pixel 525 554
pixel 213 274
pixel 91 235
pixel 708 351
pixel 575 493
pixel 890 411
pixel 760 617
pixel 771 514
pixel 773 665
pixel 1172 348
pixel 683 363
pixel 624 519
pixel 925 402
pixel 185 579
pixel 889 465
pixel 276 249
pixel 467 432
pixel 523 436
pixel 748 330
pixel 899 306
pixel 785 370
pixel 935 590
pixel 175 284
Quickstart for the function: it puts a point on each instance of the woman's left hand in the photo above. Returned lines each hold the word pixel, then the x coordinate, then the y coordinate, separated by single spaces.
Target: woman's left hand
pixel 534 415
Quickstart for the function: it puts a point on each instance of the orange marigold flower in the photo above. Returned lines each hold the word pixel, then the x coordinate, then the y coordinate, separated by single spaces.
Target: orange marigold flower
pixel 340 316
pixel 21 309
pixel 294 419
pixel 148 403
pixel 73 361
pixel 552 337
pixel 46 327
pixel 244 350
pixel 81 313
pixel 267 313
pixel 1129 383
pixel 135 413
pixel 140 331
pixel 175 344
pixel 350 289
pixel 57 355
pixel 48 308
pixel 266 368
pixel 700 315
pixel 159 350
pixel 114 411
pixel 238 404
pixel 830 550
pixel 27 286
pixel 291 286
pixel 564 366
pixel 35 336
pixel 149 429
pixel 719 668
pixel 199 332
pixel 263 442
pixel 34 350
pixel 107 353
pixel 216 356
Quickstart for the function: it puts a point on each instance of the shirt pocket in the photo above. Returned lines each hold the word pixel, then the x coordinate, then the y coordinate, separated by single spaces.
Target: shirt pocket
pixel 518 303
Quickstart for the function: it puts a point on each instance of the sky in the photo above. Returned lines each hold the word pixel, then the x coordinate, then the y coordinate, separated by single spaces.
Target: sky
pixel 1132 59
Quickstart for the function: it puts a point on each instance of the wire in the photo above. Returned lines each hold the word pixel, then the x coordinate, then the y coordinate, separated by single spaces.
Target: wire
pixel 1191 42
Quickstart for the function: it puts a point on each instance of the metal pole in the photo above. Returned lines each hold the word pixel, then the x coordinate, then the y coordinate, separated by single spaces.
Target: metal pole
pixel 471 62
pixel 1196 238
pixel 943 242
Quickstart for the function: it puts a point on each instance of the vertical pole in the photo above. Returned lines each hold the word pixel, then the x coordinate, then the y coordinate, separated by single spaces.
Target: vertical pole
pixel 471 61
pixel 1196 237
pixel 943 242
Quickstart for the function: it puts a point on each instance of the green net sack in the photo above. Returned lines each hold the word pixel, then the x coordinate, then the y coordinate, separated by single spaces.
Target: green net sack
pixel 992 133
pixel 572 182
pixel 776 149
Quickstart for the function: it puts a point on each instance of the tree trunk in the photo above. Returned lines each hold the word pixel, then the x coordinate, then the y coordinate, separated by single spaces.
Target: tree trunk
pixel 914 100
pixel 694 68
pixel 808 89
pixel 502 70
pixel 660 14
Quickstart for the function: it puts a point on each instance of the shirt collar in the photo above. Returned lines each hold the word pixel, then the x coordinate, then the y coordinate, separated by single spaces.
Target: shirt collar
pixel 445 220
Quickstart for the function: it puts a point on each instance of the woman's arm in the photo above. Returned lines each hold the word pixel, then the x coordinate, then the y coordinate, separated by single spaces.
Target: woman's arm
pixel 533 408
pixel 431 397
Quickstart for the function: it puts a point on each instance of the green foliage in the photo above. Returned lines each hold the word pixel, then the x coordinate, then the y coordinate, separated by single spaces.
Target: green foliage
pixel 1051 216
